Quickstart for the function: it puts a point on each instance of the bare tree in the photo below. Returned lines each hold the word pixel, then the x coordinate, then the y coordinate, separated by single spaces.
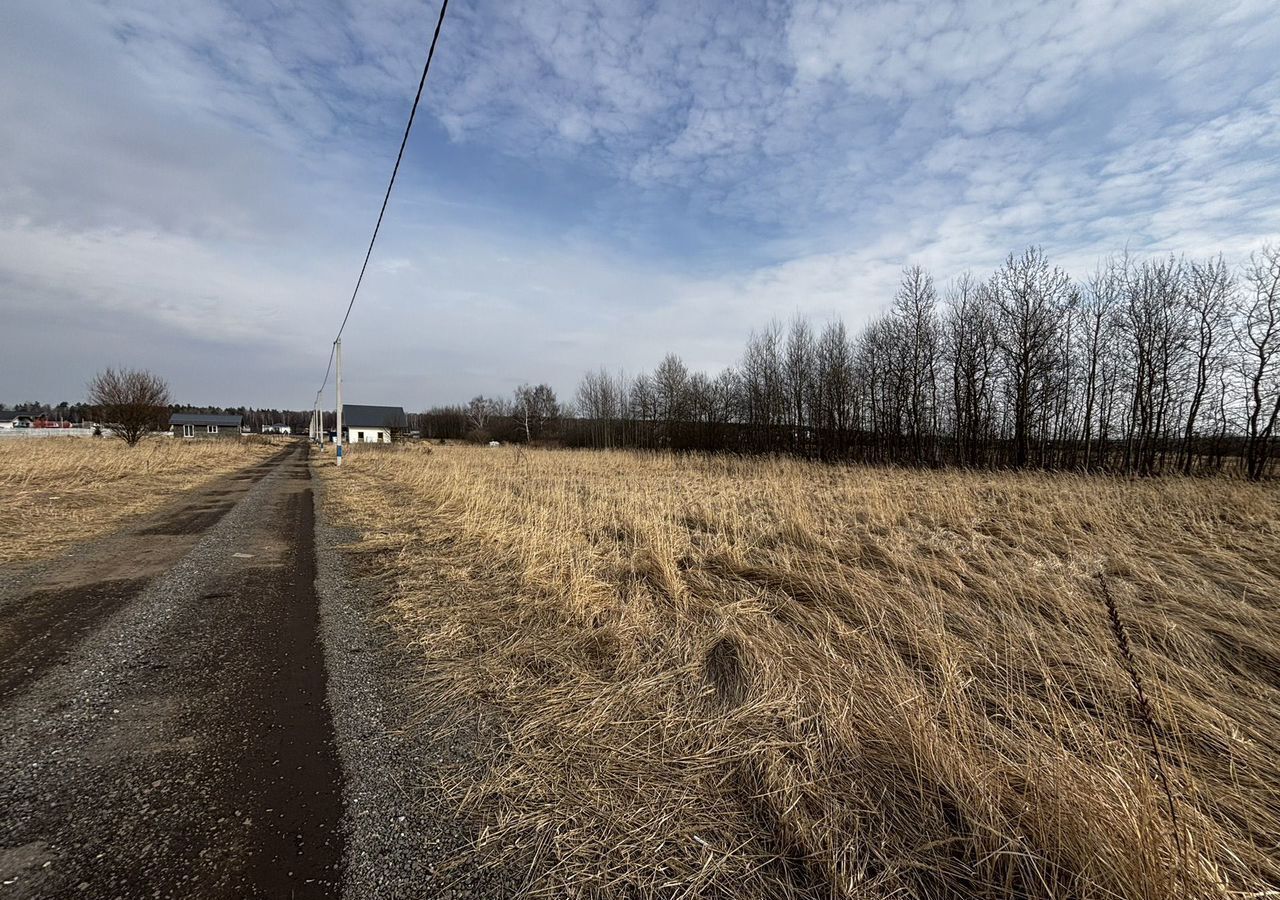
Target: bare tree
pixel 836 388
pixel 1210 294
pixel 798 377
pixel 129 402
pixel 877 364
pixel 1029 297
pixel 970 347
pixel 536 410
pixel 600 399
pixel 764 390
pixel 643 408
pixel 1152 318
pixel 479 411
pixel 1259 336
pixel 915 309
pixel 1100 301
pixel 671 387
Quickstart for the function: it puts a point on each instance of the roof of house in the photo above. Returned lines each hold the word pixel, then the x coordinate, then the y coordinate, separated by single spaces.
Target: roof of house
pixel 8 415
pixel 356 416
pixel 203 419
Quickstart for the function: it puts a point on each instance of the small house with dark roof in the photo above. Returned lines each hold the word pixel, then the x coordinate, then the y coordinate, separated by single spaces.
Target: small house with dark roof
pixel 204 426
pixel 372 424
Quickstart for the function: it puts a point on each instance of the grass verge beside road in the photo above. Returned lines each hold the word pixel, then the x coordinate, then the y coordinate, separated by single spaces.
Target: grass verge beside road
pixel 58 491
pixel 725 677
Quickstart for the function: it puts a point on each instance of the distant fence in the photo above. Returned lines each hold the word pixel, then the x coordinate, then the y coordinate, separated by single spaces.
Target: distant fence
pixel 44 432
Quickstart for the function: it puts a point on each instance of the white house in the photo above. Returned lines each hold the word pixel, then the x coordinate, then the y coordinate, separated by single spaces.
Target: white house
pixel 372 424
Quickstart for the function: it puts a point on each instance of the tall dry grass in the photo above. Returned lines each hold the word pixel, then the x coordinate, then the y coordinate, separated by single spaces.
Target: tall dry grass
pixel 56 491
pixel 716 677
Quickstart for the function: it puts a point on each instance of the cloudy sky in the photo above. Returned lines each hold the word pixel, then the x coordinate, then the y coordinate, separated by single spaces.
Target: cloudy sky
pixel 190 187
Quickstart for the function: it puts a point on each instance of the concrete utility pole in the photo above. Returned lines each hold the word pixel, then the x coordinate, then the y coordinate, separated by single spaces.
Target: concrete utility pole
pixel 338 383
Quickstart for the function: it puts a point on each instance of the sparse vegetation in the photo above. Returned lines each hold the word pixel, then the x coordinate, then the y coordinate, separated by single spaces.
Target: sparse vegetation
pixel 56 491
pixel 727 677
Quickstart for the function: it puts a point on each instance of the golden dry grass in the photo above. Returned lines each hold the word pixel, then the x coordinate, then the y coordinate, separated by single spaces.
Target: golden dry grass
pixel 716 677
pixel 56 491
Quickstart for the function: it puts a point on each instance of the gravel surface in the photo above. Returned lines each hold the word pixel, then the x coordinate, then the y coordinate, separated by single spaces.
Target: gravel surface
pixel 404 839
pixel 181 747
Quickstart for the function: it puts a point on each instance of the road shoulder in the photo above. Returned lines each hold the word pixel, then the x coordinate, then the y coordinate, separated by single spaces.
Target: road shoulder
pixel 403 837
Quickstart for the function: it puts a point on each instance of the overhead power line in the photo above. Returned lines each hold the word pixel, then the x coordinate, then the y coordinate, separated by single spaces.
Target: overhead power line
pixel 386 197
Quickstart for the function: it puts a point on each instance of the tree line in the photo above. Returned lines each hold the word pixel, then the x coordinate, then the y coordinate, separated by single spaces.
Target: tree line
pixel 62 412
pixel 532 413
pixel 1148 366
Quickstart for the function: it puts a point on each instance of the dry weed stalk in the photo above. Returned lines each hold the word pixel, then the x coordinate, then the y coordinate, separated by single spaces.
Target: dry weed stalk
pixel 1144 713
pixel 720 677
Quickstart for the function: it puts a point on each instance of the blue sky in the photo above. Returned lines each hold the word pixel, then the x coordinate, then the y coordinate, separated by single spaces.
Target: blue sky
pixel 190 187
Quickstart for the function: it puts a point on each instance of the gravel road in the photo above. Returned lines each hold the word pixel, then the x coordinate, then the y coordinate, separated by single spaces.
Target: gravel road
pixel 184 714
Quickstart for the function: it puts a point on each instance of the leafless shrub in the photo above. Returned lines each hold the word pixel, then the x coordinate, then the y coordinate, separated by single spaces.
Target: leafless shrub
pixel 129 402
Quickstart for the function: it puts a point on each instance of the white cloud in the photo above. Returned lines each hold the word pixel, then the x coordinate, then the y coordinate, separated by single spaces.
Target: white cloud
pixel 208 172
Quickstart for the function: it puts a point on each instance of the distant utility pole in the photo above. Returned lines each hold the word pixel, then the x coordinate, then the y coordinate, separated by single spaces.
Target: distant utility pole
pixel 338 384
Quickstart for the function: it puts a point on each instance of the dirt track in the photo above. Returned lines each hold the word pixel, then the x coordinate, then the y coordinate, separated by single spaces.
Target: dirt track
pixel 163 722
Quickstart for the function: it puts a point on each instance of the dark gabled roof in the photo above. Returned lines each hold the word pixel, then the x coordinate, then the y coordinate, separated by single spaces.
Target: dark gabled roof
pixel 202 419
pixel 356 416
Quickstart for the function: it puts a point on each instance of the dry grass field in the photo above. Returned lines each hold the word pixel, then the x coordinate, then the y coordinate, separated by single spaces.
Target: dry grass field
pixel 718 677
pixel 56 491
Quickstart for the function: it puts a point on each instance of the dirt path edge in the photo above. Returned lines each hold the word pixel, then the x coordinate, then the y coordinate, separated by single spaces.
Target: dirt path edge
pixel 403 838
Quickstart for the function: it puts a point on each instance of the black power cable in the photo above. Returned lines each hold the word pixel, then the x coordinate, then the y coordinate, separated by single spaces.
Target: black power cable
pixel 387 197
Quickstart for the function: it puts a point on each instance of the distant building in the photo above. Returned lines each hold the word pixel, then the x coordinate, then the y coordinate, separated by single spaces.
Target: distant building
pixel 202 426
pixel 372 424
pixel 15 420
pixel 277 429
